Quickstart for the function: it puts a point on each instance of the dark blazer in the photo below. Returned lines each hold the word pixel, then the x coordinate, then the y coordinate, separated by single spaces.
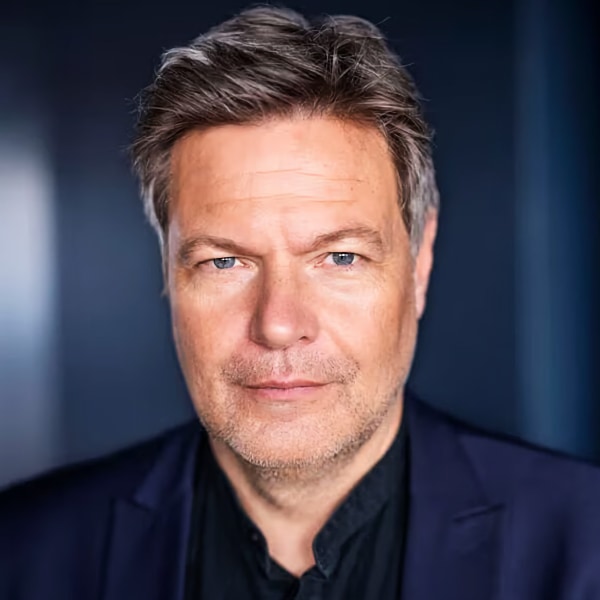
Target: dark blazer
pixel 489 519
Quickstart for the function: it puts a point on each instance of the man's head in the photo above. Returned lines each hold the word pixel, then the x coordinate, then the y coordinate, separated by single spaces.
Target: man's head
pixel 286 167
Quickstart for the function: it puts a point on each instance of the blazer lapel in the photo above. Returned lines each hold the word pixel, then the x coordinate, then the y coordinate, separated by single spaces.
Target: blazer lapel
pixel 453 546
pixel 149 531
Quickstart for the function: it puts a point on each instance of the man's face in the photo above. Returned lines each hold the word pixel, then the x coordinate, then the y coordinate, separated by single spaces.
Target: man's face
pixel 292 287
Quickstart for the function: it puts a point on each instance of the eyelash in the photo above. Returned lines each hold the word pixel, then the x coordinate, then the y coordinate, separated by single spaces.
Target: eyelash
pixel 356 256
pixel 352 264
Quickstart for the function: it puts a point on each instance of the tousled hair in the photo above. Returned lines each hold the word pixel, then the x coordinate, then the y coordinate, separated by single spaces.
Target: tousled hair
pixel 267 63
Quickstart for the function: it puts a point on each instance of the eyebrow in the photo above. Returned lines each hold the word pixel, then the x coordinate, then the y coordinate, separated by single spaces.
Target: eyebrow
pixel 361 232
pixel 190 245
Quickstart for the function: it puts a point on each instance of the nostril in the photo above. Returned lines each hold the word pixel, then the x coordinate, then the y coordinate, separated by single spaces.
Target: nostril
pixel 282 322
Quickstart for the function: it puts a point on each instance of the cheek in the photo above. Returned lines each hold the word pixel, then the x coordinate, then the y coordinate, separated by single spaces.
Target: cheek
pixel 205 332
pixel 375 322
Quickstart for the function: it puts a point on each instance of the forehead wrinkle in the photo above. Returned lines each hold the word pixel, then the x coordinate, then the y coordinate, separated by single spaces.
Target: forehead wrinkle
pixel 247 177
pixel 300 171
pixel 267 198
pixel 309 186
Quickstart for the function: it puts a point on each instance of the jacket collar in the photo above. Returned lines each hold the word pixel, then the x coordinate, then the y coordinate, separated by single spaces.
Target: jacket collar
pixel 149 531
pixel 453 540
pixel 453 546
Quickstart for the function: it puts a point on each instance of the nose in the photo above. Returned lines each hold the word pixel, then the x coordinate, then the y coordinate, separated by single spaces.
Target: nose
pixel 284 314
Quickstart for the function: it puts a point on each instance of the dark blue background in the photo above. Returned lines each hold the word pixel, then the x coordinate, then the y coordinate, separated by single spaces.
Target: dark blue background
pixel 509 339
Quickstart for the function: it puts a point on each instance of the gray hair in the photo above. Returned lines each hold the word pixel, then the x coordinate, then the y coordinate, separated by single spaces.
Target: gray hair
pixel 269 63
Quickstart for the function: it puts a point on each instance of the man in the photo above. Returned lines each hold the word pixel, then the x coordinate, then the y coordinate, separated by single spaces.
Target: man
pixel 286 168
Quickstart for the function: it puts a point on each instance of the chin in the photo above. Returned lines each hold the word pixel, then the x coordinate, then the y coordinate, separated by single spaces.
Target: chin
pixel 311 433
pixel 285 446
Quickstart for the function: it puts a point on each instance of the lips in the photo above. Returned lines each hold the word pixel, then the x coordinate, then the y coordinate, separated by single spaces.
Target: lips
pixel 277 390
pixel 285 385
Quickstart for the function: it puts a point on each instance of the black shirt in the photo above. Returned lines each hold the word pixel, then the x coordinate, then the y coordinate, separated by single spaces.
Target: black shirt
pixel 358 553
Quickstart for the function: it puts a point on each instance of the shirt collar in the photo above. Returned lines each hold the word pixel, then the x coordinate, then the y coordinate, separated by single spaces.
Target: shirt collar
pixel 373 492
pixel 382 483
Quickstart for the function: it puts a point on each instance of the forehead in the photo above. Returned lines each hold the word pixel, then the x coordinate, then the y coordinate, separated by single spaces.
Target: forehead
pixel 313 158
pixel 282 183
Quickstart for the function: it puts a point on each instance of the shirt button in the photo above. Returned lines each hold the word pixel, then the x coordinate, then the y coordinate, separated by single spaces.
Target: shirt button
pixel 254 537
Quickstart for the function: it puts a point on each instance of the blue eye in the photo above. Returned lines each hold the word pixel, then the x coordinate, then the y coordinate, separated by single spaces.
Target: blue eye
pixel 343 259
pixel 224 263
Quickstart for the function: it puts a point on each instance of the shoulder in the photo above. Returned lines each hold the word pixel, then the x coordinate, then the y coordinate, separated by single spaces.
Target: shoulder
pixel 549 493
pixel 54 529
pixel 510 463
pixel 71 491
pixel 552 507
pixel 508 468
pixel 521 467
pixel 549 501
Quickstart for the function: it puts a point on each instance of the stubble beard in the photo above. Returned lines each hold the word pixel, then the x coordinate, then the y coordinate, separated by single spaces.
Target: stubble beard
pixel 270 474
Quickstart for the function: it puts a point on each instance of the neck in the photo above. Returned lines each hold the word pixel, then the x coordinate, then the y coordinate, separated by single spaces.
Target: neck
pixel 290 506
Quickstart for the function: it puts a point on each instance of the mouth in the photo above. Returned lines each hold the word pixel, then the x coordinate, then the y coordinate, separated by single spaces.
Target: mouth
pixel 285 390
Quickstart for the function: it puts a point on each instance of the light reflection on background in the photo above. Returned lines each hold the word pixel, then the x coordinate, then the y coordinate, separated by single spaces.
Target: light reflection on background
pixel 28 309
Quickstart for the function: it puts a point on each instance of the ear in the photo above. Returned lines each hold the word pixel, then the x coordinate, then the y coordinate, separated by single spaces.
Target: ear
pixel 424 262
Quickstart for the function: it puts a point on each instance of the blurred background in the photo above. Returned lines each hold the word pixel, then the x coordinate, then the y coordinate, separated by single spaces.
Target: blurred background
pixel 509 341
